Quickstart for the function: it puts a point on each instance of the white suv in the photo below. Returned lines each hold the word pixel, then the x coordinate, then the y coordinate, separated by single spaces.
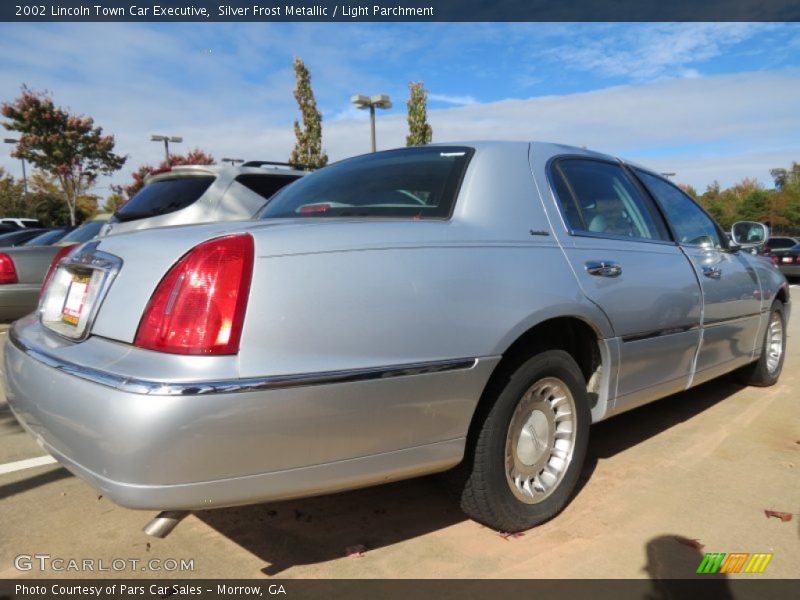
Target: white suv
pixel 21 222
pixel 201 194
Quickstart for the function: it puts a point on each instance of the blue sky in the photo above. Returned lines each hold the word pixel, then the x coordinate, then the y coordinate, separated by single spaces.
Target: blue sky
pixel 706 100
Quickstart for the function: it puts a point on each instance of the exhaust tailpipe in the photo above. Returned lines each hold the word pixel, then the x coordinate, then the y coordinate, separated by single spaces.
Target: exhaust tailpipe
pixel 163 523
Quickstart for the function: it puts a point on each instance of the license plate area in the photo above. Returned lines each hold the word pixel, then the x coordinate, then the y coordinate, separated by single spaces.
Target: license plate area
pixel 70 302
pixel 787 259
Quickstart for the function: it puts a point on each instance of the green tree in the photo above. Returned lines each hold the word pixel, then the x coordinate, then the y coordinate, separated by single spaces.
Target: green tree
pixel 113 202
pixel 307 151
pixel 67 146
pixel 419 130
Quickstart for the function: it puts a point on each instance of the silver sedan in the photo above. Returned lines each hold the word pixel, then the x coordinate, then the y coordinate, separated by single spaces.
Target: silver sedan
pixel 472 305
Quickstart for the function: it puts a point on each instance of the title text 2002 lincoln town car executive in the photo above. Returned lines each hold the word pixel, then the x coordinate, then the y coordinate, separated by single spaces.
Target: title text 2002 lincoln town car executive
pixel 392 315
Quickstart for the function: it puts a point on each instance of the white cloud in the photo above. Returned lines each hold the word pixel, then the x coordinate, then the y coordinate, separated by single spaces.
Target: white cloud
pixel 651 51
pixel 449 99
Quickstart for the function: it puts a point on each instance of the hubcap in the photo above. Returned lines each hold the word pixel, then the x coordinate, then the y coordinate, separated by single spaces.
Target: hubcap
pixel 774 342
pixel 540 440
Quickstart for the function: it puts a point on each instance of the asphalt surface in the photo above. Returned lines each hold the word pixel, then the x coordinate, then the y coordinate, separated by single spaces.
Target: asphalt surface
pixel 663 484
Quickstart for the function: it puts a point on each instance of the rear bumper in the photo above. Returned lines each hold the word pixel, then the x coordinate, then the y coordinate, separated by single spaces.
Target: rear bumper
pixel 207 446
pixel 789 270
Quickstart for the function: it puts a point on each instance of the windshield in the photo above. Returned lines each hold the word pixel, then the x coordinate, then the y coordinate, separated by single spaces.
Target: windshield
pixel 83 233
pixel 164 196
pixel 419 182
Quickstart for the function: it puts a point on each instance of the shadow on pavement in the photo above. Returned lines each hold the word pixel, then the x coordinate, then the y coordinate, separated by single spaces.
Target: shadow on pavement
pixel 7 420
pixel 672 566
pixel 33 482
pixel 315 530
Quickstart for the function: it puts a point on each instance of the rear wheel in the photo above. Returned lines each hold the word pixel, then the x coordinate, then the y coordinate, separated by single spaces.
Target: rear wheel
pixel 767 369
pixel 530 448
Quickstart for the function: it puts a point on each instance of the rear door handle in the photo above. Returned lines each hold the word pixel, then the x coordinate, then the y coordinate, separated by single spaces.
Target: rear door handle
pixel 603 268
pixel 713 272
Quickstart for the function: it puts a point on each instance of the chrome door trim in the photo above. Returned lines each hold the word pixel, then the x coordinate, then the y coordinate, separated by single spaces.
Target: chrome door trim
pixel 230 386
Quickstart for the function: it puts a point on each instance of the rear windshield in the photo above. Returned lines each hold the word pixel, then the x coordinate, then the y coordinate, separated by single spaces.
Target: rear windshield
pixel 781 243
pixel 265 185
pixel 419 182
pixel 164 196
pixel 83 233
pixel 47 238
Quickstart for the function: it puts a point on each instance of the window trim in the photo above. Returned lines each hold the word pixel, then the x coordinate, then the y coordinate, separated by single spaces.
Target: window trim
pixel 552 164
pixel 725 247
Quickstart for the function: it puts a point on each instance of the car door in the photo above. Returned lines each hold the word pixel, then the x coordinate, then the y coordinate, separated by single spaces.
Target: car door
pixel 730 285
pixel 620 250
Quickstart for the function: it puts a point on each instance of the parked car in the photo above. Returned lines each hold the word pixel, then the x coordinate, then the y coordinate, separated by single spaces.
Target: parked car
pixel 19 236
pixel 388 316
pixel 787 260
pixel 22 269
pixel 201 194
pixel 21 222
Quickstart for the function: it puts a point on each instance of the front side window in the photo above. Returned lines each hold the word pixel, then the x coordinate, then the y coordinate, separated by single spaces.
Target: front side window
pixel 598 197
pixel 419 183
pixel 693 227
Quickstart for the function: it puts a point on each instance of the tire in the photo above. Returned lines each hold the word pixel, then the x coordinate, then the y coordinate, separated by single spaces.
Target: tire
pixel 767 369
pixel 527 429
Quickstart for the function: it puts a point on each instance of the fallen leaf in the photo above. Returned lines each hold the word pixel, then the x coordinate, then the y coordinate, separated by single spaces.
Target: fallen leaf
pixel 147 549
pixel 692 543
pixel 506 534
pixel 783 516
pixel 356 551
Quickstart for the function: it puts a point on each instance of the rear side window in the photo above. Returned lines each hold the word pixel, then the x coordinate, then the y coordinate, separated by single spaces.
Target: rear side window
pixel 265 185
pixel 419 183
pixel 598 197
pixel 164 196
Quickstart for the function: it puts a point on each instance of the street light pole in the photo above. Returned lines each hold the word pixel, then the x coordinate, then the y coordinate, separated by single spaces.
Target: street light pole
pixel 24 176
pixel 166 139
pixel 379 101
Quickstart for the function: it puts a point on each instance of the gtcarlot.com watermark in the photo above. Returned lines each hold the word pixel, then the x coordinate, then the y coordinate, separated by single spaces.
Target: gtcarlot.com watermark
pixel 56 564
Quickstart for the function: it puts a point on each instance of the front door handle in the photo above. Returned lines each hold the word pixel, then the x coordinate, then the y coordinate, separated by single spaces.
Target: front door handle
pixel 603 268
pixel 712 272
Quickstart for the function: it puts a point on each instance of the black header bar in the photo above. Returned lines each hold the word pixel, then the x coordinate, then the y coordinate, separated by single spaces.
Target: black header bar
pixel 396 10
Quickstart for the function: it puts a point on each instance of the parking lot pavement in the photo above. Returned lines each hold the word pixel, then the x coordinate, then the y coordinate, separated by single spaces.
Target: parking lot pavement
pixel 663 484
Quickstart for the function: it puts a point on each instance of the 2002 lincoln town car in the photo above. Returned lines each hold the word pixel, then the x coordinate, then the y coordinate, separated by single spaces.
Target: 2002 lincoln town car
pixel 392 315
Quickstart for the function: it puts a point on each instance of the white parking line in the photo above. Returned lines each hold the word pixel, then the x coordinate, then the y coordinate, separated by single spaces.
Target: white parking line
pixel 28 463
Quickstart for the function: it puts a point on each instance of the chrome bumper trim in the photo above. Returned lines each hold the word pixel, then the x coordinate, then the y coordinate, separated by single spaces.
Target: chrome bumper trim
pixel 230 386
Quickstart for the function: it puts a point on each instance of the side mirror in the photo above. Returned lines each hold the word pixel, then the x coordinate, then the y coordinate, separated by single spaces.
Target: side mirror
pixel 749 234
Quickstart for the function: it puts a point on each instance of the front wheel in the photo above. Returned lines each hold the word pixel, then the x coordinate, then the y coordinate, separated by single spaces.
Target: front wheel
pixel 767 369
pixel 530 448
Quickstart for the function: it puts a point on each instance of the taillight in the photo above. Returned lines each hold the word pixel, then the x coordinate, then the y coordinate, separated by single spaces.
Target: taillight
pixel 199 305
pixel 8 273
pixel 54 265
pixel 775 259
